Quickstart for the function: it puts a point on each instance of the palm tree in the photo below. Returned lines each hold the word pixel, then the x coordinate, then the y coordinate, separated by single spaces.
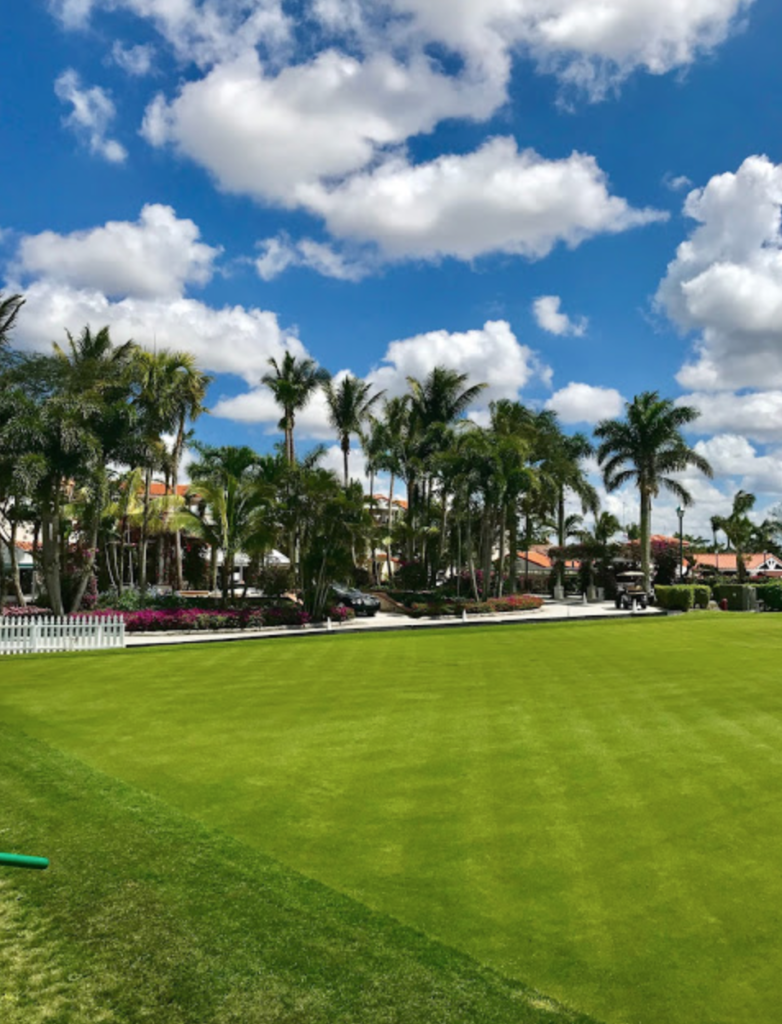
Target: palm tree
pixel 595 544
pixel 647 448
pixel 293 383
pixel 349 404
pixel 739 529
pixel 230 516
pixel 514 427
pixel 436 403
pixel 188 391
pixel 9 311
pixel 63 419
pixel 170 392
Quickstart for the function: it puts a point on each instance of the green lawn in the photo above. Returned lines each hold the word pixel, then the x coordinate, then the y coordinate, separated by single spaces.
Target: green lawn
pixel 590 809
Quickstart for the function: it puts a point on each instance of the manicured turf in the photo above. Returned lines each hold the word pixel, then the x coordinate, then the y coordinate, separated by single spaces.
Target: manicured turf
pixel 145 916
pixel 593 809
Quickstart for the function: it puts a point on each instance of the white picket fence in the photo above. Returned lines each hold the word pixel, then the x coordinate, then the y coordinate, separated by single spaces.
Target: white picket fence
pixel 51 633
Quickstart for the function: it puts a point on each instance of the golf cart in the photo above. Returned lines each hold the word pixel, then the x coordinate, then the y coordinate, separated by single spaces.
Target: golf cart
pixel 630 591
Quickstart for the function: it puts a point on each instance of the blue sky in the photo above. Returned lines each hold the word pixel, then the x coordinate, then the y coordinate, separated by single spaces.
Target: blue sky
pixel 335 176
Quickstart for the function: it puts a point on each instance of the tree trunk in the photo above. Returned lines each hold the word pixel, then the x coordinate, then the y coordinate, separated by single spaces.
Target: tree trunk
pixel 390 527
pixel 178 446
pixel 501 571
pixel 443 530
pixel 50 560
pixel 16 579
pixel 646 536
pixel 513 569
pixel 87 571
pixel 36 558
pixel 471 556
pixel 345 457
pixel 213 568
pixel 527 538
pixel 410 519
pixel 561 537
pixel 488 532
pixel 142 566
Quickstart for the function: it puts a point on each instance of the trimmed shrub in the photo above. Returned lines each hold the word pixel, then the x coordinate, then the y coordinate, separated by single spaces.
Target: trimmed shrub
pixel 771 596
pixel 702 596
pixel 675 599
pixel 682 598
pixel 738 596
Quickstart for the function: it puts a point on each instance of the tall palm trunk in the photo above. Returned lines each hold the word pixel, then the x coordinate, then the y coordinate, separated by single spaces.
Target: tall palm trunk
pixel 487 530
pixel 177 454
pixel 501 571
pixel 345 445
pixel 51 549
pixel 513 568
pixel 88 569
pixel 646 535
pixel 16 579
pixel 471 556
pixel 561 536
pixel 144 544
pixel 390 524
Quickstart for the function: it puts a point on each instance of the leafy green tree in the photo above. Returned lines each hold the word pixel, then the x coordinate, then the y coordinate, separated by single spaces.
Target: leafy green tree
pixel 647 448
pixel 293 383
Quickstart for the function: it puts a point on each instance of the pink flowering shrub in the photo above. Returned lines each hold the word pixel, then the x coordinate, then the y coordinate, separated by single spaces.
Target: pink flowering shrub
pixel 29 611
pixel 339 613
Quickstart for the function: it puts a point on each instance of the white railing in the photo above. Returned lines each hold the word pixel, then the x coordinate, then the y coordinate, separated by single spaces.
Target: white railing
pixel 50 633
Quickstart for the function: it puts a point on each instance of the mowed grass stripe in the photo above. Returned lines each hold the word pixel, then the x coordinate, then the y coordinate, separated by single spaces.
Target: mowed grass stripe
pixel 145 916
pixel 591 808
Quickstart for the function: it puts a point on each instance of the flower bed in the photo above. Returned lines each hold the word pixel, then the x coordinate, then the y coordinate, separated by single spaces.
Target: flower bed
pixel 511 603
pixel 175 620
pixel 29 611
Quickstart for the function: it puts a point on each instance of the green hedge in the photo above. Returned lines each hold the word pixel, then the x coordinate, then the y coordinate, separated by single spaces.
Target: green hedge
pixel 682 598
pixel 738 596
pixel 771 596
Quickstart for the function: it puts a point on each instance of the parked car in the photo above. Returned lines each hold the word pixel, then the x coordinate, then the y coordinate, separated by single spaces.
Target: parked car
pixel 362 604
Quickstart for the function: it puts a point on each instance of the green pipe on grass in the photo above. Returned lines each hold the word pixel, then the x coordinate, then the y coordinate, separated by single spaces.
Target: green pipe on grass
pixel 17 860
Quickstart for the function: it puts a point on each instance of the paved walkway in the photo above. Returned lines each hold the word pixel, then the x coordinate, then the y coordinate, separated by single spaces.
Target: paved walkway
pixel 552 611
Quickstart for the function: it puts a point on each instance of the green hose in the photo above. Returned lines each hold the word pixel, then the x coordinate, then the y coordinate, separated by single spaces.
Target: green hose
pixel 16 860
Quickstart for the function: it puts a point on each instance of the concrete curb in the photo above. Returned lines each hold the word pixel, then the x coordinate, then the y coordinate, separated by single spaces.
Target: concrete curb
pixel 170 639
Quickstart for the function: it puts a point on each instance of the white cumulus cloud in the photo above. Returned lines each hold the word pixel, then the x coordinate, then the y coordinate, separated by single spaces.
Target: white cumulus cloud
pixel 588 44
pixel 134 60
pixel 583 403
pixel 757 414
pixel 155 256
pixel 496 199
pixel 726 280
pixel 92 114
pixel 203 31
pixel 280 254
pixel 268 134
pixel 490 355
pixel 732 456
pixel 228 340
pixel 549 316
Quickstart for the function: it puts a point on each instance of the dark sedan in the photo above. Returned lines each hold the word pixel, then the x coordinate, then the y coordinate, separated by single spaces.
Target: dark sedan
pixel 362 604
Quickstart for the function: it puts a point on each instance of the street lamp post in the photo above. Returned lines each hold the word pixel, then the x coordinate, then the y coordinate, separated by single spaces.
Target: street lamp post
pixel 680 514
